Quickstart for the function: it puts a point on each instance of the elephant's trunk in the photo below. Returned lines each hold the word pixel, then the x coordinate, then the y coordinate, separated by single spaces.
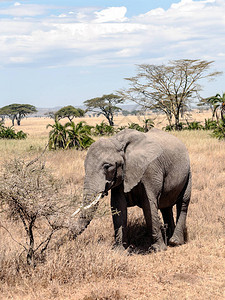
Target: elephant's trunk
pixel 86 213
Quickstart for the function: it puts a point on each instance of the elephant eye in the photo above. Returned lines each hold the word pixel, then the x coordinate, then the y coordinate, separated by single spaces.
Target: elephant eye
pixel 106 166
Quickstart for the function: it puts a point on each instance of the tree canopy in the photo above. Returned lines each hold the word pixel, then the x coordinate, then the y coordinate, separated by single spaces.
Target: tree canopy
pixel 105 105
pixel 217 103
pixel 168 88
pixel 17 111
pixel 69 112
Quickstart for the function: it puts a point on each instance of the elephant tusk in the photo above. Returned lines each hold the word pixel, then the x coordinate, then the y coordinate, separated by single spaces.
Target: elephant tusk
pixel 76 212
pixel 94 202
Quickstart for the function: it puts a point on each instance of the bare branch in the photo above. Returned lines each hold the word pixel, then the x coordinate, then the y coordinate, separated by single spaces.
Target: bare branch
pixel 13 237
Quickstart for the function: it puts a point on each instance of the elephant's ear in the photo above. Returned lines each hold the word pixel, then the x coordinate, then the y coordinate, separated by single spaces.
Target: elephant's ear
pixel 139 152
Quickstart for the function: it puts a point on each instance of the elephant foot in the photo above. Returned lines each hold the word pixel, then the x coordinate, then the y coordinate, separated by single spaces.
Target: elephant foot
pixel 157 247
pixel 131 249
pixel 176 241
pixel 179 238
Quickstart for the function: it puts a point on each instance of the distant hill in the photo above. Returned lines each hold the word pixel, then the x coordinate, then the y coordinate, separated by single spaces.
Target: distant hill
pixel 42 112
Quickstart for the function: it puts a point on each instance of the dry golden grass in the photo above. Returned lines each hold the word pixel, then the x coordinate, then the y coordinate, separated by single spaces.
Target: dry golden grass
pixel 90 269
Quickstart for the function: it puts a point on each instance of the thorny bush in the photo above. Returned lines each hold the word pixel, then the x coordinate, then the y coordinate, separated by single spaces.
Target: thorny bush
pixel 33 198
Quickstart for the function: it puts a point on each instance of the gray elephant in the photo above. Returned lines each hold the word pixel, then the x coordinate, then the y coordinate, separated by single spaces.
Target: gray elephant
pixel 150 170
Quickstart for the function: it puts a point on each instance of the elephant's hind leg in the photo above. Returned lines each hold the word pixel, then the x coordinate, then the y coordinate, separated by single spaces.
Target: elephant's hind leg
pixel 168 219
pixel 180 233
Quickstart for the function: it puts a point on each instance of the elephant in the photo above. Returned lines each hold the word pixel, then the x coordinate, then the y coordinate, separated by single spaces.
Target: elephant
pixel 150 170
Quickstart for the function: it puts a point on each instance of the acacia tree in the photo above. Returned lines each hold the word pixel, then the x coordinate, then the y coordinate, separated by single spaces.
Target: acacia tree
pixel 17 111
pixel 168 88
pixel 69 112
pixel 105 105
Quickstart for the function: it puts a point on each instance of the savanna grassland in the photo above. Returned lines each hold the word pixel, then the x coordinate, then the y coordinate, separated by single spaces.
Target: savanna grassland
pixel 89 268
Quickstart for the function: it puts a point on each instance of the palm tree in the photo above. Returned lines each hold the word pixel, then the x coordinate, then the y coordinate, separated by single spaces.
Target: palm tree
pixel 57 136
pixel 218 103
pixel 78 135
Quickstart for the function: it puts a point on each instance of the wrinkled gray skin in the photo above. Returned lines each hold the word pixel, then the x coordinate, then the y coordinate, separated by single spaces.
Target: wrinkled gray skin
pixel 151 170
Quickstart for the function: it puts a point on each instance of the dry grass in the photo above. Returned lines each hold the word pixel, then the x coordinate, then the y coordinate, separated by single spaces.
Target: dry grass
pixel 90 269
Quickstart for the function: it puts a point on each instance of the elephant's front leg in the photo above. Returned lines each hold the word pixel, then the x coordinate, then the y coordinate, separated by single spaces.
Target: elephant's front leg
pixel 119 215
pixel 153 222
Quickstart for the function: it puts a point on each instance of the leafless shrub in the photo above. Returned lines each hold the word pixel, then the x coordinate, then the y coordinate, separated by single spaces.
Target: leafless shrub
pixel 32 197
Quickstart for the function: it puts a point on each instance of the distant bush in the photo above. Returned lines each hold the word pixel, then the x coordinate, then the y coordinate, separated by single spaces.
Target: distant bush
pixel 217 127
pixel 135 126
pixel 103 129
pixel 79 135
pixel 195 125
pixel 172 127
pixel 10 133
pixel 219 131
pixel 70 135
pixel 210 124
pixel 148 124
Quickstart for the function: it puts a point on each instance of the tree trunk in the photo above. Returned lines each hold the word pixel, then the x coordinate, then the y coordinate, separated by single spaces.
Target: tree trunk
pixel 111 123
pixel 30 254
pixel 169 118
pixel 177 118
pixel 223 112
pixel 18 121
pixel 110 119
pixel 13 120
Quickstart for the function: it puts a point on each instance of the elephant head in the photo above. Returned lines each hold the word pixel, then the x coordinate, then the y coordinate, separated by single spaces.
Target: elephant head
pixel 122 159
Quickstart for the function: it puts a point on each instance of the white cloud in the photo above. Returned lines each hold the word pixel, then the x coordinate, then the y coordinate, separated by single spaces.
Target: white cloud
pixel 17 4
pixel 111 14
pixel 19 59
pixel 188 29
pixel 21 10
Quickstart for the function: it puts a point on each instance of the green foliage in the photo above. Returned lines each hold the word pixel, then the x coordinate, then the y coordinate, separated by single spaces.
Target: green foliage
pixel 173 127
pixel 148 124
pixel 78 135
pixel 193 126
pixel 69 112
pixel 57 136
pixel 10 133
pixel 217 103
pixel 121 128
pixel 103 129
pixel 210 124
pixel 217 127
pixel 136 127
pixel 185 126
pixel 219 131
pixel 69 135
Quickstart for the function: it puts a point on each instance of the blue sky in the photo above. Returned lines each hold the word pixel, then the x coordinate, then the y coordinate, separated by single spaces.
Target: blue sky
pixel 56 53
